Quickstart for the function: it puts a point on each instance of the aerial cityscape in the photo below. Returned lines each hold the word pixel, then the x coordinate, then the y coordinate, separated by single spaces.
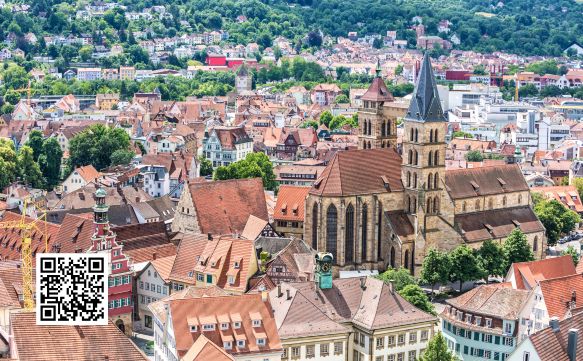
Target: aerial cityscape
pixel 291 180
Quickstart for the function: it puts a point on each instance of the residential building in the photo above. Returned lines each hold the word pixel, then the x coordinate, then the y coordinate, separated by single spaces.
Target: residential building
pixel 31 342
pixel 348 319
pixel 243 326
pixel 567 195
pixel 219 207
pixel 224 261
pixel 225 145
pixel 558 342
pixel 527 275
pixel 127 73
pixel 79 178
pixel 483 323
pixel 89 74
pixel 325 94
pixel 297 174
pixel 289 211
pixel 152 284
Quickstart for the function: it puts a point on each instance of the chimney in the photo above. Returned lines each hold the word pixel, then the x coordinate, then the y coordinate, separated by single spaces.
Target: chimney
pixel 554 323
pixel 154 255
pixel 363 283
pixel 572 344
pixel 279 294
pixel 209 236
pixel 288 294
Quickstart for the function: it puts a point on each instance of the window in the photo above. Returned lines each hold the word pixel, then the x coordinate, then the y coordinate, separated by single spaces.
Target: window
pixel 227 345
pixel 224 326
pixel 469 318
pixel 295 352
pixel 193 328
pixel 424 335
pixel 200 277
pixel 401 339
pixel 256 323
pixel 310 351
pixel 338 348
pixel 364 235
pixel 412 355
pixel 362 339
pixel 159 289
pixel 237 325
pixel 413 337
pixel 324 351
pixel 349 235
pixel 487 354
pixel 488 322
pixel 240 343
pixel 284 355
pixel 401 356
pixel 487 338
pixel 380 342
pixel 391 358
pixel 478 320
pixel 261 342
pixel 208 327
pixel 231 280
pixel 508 341
pixel 526 356
pixel 379 358
pixel 209 278
pixel 391 341
pixel 331 230
pixel 507 328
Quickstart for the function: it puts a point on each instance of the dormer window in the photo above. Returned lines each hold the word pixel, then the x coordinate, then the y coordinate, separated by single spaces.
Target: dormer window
pixel 224 326
pixel 227 345
pixel 190 274
pixel 236 264
pixel 260 342
pixel 489 322
pixel 236 325
pixel 256 323
pixel 478 320
pixel 469 318
pixel 208 327
pixel 193 328
pixel 240 343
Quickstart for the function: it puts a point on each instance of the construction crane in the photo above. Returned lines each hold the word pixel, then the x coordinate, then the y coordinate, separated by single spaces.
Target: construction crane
pixel 27 228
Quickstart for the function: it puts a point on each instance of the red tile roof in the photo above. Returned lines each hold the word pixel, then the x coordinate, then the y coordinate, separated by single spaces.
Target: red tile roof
pixel 88 173
pixel 378 92
pixel 558 292
pixel 11 238
pixel 567 195
pixel 243 308
pixel 204 349
pixel 290 203
pixel 56 343
pixel 528 274
pixel 223 207
pixel 552 346
pixel 360 172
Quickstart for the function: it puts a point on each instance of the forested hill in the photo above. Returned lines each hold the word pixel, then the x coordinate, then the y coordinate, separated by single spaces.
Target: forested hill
pixel 529 27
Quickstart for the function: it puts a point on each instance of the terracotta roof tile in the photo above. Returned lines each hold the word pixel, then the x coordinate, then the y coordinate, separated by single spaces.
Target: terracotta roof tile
pixel 528 274
pixel 223 207
pixel 567 195
pixel 290 203
pixel 551 346
pixel 11 238
pixel 360 172
pixel 235 308
pixel 88 173
pixel 204 349
pixel 253 228
pixel 490 180
pixel 558 292
pixel 91 343
pixel 498 300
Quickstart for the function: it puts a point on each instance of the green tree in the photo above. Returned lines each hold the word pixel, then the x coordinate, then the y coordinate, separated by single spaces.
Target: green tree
pixel 435 268
pixel 578 183
pixel 461 134
pixel 95 146
pixel 516 249
pixel 571 251
pixel 341 99
pixel 398 277
pixel 437 350
pixel 480 70
pixel 85 53
pixel 310 123
pixel 465 266
pixel 8 163
pixel 337 122
pixel 122 157
pixel 12 97
pixel 35 142
pixel 206 166
pixel 29 170
pixel 417 297
pixel 474 156
pixel 556 218
pixel 490 256
pixel 399 69
pixel 326 117
pixel 254 165
pixel 50 162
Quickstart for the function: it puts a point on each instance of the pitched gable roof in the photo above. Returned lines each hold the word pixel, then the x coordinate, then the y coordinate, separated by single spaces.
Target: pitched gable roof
pixel 223 207
pixel 559 292
pixel 290 203
pixel 204 349
pixel 528 274
pixel 473 182
pixel 552 346
pixel 360 172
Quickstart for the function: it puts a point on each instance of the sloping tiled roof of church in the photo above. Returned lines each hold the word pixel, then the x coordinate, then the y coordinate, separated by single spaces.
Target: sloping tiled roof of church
pixel 425 104
pixel 360 172
pixel 497 223
pixel 473 182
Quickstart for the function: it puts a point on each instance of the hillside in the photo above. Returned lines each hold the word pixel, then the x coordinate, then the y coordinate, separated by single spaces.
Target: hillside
pixel 527 27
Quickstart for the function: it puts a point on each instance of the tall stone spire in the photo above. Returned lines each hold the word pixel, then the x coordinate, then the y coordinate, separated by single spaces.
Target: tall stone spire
pixel 425 105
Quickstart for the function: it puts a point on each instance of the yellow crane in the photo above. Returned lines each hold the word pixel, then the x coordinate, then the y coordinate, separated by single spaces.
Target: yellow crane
pixel 27 228
pixel 28 92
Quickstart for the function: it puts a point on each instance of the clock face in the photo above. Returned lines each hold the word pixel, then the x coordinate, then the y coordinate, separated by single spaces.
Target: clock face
pixel 325 267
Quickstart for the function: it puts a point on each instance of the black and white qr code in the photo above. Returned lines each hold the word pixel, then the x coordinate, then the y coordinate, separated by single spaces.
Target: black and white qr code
pixel 71 288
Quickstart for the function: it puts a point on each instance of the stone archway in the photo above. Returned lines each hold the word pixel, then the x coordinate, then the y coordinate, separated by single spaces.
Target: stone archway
pixel 120 325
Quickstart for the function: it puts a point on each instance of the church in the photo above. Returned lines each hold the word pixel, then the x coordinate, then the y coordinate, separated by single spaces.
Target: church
pixel 377 207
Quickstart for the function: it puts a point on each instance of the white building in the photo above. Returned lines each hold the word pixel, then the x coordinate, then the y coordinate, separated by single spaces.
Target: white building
pixel 151 285
pixel 79 178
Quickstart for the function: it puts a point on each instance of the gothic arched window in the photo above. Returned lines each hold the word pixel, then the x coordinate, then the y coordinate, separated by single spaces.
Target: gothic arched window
pixel 410 156
pixel 429 181
pixel 412 135
pixel 392 261
pixel 408 179
pixel 504 201
pixel 331 230
pixel 416 158
pixel 406 261
pixel 436 158
pixel 477 204
pixel 520 199
pixel 436 181
pixel 535 244
pixel 436 205
pixel 379 230
pixel 490 203
pixel 435 136
pixel 364 235
pixel 416 136
pixel 463 206
pixel 430 158
pixel 349 235
pixel 431 136
pixel 429 204
pixel 315 226
pixel 383 128
pixel 414 180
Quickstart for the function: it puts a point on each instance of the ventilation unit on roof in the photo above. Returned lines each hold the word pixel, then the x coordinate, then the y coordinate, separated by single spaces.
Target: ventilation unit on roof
pixel 475 185
pixel 501 181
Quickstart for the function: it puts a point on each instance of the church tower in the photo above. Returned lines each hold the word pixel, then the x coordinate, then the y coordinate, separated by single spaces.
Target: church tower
pixel 423 171
pixel 376 129
pixel 243 80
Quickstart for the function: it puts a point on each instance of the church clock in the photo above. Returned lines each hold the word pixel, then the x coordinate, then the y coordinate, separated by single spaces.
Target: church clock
pixel 324 270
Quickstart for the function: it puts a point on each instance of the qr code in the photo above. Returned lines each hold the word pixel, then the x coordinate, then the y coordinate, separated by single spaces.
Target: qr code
pixel 71 288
